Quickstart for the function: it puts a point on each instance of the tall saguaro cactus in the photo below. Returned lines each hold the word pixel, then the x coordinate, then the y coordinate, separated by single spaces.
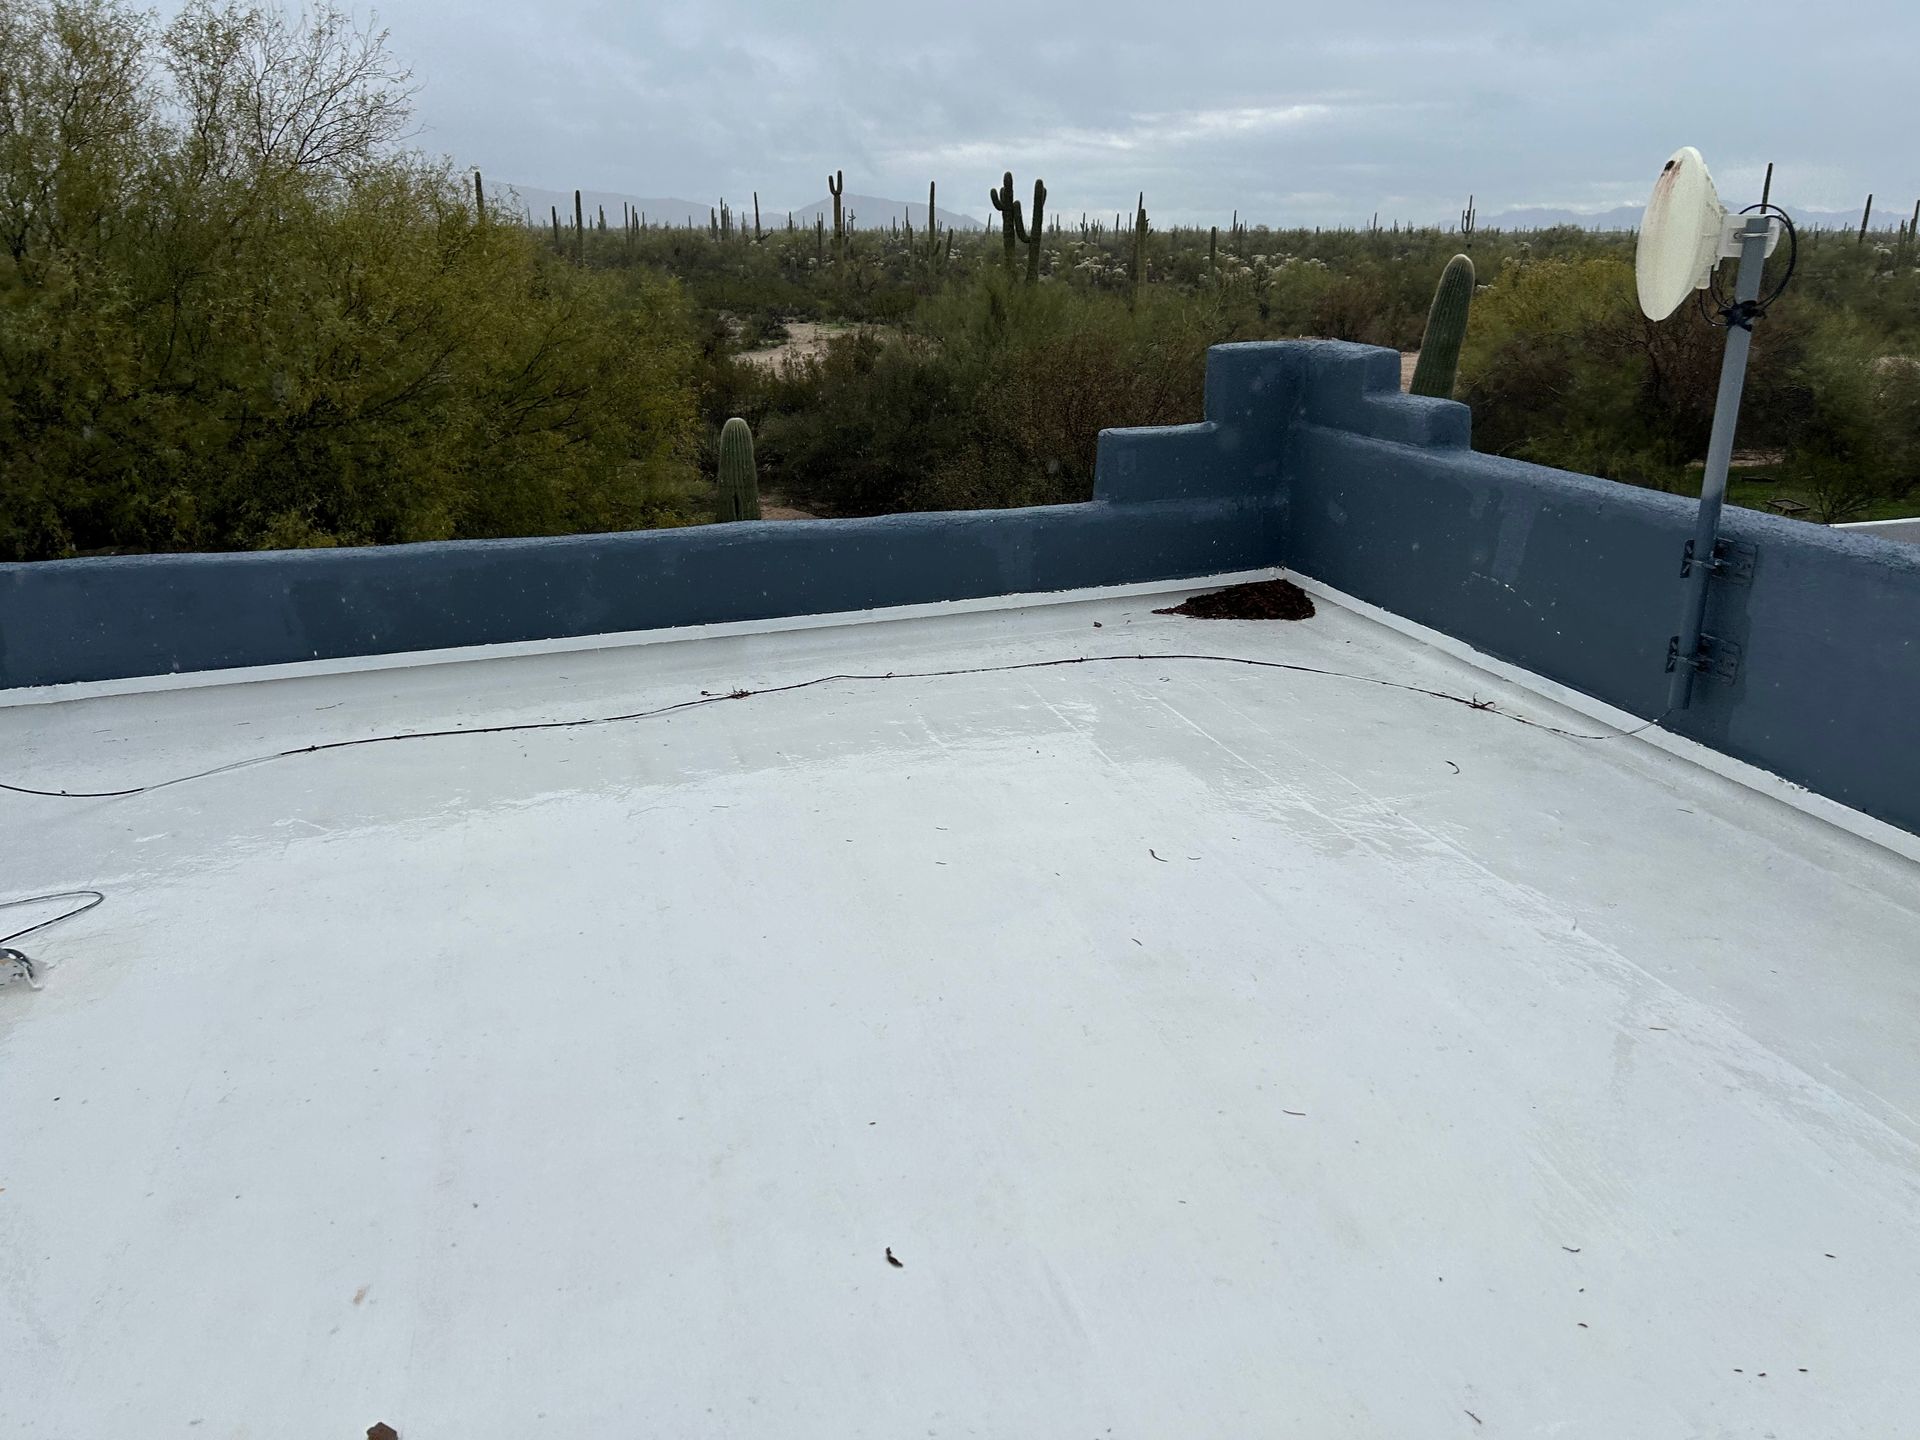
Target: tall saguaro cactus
pixel 836 183
pixel 1139 250
pixel 1439 363
pixel 738 495
pixel 579 232
pixel 1033 232
pixel 933 231
pixel 479 199
pixel 1011 230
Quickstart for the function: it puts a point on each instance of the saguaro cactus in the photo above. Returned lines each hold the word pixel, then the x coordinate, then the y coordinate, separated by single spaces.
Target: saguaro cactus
pixel 1011 230
pixel 738 494
pixel 1469 217
pixel 555 209
pixel 579 232
pixel 1139 250
pixel 836 183
pixel 933 231
pixel 1439 362
pixel 1033 232
pixel 479 199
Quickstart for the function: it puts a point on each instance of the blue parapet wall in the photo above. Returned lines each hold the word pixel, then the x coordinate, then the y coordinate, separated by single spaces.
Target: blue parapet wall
pixel 1308 456
pixel 1170 503
pixel 72 620
pixel 1578 579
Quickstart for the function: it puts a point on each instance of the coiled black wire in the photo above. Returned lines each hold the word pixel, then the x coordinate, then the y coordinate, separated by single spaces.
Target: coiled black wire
pixel 1743 313
pixel 92 897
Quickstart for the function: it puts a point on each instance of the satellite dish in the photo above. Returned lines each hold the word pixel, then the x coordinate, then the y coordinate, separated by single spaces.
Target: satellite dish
pixel 1685 233
pixel 1680 235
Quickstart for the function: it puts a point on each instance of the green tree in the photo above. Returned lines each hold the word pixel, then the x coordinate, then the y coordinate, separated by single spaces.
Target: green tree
pixel 235 311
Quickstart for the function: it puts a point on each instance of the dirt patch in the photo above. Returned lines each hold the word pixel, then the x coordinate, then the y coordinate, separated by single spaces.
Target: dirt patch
pixel 1261 600
pixel 773 506
pixel 1409 362
pixel 806 340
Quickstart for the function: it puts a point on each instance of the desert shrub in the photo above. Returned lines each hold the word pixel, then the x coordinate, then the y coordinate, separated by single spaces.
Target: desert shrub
pixel 1846 414
pixel 235 312
pixel 1561 367
pixel 993 396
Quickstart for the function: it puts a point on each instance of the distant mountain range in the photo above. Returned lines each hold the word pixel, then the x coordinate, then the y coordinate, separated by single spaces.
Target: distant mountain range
pixel 869 212
pixel 872 213
pixel 540 204
pixel 1627 217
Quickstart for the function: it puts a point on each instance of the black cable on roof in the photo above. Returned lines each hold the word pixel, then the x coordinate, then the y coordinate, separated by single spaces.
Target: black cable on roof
pixel 716 697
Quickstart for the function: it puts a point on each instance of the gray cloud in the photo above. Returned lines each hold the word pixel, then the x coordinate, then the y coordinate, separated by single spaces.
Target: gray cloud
pixel 1287 113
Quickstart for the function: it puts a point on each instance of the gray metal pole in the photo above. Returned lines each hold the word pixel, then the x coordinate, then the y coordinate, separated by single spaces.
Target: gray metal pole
pixel 1713 484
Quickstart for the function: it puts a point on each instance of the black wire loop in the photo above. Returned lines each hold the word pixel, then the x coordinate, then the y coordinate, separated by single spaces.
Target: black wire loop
pixel 1742 313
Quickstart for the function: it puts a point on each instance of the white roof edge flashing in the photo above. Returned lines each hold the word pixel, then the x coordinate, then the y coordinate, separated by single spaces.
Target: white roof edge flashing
pixel 612 640
pixel 1751 777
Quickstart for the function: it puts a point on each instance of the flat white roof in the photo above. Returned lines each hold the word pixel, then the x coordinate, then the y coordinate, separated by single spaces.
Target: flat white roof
pixel 1222 1051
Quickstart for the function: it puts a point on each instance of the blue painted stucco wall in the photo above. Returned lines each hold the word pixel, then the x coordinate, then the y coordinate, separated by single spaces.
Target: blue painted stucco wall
pixel 1308 456
pixel 1187 500
pixel 1578 579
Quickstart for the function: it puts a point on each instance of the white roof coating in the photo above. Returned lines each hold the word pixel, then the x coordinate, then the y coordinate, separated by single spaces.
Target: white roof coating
pixel 1220 1050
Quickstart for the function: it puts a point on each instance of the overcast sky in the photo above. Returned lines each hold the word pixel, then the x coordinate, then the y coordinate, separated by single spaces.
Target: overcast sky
pixel 1301 114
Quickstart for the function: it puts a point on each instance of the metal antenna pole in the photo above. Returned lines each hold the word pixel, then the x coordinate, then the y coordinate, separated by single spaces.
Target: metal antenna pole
pixel 1685 659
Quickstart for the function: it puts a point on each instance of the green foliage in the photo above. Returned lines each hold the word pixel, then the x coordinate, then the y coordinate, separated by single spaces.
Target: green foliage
pixel 1439 363
pixel 233 313
pixel 738 492
pixel 1846 417
pixel 1560 368
pixel 994 395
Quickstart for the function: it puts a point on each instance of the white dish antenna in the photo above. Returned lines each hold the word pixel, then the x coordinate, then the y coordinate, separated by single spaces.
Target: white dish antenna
pixel 1686 232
